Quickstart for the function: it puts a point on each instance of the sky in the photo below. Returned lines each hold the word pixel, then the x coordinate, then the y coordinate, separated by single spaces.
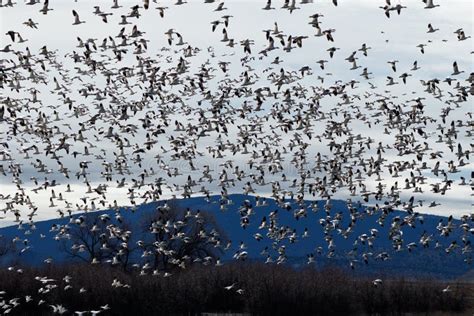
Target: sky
pixel 355 22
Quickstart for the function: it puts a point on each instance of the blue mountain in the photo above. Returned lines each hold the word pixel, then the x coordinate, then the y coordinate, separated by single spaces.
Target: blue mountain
pixel 419 262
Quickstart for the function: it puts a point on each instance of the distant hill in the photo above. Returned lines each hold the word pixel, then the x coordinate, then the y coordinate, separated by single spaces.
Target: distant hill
pixel 421 262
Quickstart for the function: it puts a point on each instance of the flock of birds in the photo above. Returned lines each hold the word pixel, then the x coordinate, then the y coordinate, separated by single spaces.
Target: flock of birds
pixel 189 121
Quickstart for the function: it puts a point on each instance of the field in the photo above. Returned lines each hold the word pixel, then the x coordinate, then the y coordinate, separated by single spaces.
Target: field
pixel 232 289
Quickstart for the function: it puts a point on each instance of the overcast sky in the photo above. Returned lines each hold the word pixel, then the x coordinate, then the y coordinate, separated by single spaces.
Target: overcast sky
pixel 356 22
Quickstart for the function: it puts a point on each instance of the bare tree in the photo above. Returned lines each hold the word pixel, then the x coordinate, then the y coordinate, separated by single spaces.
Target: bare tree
pixel 168 237
pixel 94 238
pixel 5 246
pixel 173 235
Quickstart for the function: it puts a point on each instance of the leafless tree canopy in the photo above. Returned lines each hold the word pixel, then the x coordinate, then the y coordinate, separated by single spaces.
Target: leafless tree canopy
pixel 5 246
pixel 169 237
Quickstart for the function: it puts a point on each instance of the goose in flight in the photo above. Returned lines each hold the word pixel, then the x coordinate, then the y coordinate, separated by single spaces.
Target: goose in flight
pixel 461 35
pixel 447 289
pixel 365 73
pixel 398 7
pixel 45 7
pixel 226 19
pixel 321 63
pixel 230 287
pixel 391 81
pixel 421 47
pixel 429 4
pixel 58 309
pixel 162 11
pixel 169 34
pixel 115 5
pixel 103 15
pixel 431 29
pixel 220 7
pixel 404 77
pixel 215 24
pixel 387 7
pixel 268 6
pixel 364 49
pixel 123 20
pixel 77 21
pixel 456 69
pixel 393 63
pixel 332 50
pixel 31 23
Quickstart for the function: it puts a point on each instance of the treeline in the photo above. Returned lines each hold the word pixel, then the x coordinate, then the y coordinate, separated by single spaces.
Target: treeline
pixel 245 287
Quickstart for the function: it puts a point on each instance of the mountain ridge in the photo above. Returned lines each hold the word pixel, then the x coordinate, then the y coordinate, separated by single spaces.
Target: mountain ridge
pixel 427 262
